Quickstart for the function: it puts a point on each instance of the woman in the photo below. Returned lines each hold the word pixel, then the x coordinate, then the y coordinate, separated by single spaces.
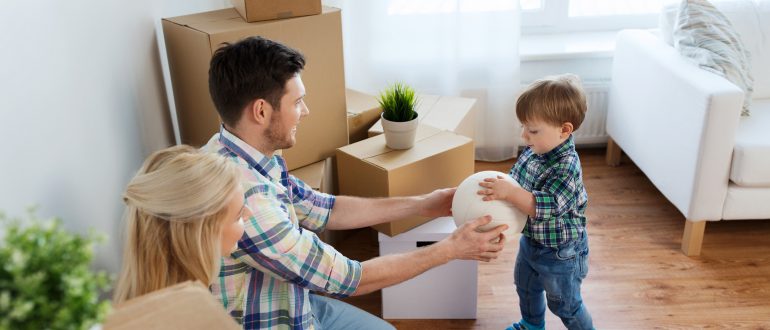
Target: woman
pixel 185 211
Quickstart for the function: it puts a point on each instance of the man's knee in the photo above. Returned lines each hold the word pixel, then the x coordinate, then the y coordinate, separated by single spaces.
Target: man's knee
pixel 335 314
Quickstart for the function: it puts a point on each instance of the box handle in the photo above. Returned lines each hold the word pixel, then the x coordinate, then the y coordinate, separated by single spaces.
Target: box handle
pixel 424 243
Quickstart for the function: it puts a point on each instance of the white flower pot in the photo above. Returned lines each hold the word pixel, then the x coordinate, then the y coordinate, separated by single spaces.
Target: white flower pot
pixel 399 135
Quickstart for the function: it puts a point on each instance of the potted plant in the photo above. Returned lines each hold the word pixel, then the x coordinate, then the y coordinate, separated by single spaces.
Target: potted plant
pixel 45 279
pixel 399 118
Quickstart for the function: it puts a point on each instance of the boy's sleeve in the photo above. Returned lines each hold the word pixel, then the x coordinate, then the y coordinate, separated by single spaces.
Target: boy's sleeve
pixel 557 196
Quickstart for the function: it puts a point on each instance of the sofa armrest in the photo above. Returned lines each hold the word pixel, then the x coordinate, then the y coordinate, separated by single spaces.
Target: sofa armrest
pixel 676 121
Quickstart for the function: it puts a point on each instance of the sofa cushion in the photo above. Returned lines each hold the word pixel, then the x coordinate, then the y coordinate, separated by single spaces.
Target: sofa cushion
pixel 751 156
pixel 705 36
pixel 744 203
pixel 759 47
pixel 751 19
pixel 666 21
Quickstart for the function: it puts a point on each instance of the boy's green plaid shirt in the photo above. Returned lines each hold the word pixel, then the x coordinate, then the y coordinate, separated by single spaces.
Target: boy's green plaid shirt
pixel 556 180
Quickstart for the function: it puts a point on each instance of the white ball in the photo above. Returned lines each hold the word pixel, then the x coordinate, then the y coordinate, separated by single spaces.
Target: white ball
pixel 468 205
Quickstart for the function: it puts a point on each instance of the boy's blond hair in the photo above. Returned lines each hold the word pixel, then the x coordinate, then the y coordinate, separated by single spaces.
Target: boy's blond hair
pixel 554 100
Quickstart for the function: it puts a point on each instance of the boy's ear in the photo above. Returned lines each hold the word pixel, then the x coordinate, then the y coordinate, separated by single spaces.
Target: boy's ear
pixel 566 129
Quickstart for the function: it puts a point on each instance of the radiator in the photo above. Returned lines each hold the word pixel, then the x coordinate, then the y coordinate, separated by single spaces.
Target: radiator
pixel 593 130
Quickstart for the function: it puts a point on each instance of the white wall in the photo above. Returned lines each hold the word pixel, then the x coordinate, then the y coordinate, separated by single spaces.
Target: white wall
pixel 594 69
pixel 82 102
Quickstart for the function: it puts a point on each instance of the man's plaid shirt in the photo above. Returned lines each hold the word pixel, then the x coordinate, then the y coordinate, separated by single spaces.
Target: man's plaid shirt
pixel 265 283
pixel 556 180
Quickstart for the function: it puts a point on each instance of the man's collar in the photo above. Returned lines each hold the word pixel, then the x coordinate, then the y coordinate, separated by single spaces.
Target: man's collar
pixel 267 166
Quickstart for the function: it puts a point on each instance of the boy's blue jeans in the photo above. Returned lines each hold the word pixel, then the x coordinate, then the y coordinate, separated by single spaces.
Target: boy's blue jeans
pixel 557 272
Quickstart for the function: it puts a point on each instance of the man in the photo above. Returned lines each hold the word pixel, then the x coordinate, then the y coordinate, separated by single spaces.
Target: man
pixel 267 282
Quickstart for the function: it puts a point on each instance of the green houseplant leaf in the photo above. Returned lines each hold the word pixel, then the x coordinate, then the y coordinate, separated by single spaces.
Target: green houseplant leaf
pixel 45 279
pixel 398 103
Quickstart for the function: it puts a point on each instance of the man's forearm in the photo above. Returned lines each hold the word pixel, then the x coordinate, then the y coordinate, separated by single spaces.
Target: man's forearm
pixel 392 269
pixel 356 212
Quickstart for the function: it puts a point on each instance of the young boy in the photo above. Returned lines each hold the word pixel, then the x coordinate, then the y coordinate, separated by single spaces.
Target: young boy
pixel 553 251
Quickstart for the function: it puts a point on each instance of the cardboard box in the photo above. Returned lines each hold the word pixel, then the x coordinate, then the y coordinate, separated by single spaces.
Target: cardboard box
pixel 363 112
pixel 187 305
pixel 318 176
pixel 191 40
pixel 439 159
pixel 454 114
pixel 263 10
pixel 445 292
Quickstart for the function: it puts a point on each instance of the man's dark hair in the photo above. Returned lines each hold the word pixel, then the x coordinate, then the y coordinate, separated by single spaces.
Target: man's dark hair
pixel 253 68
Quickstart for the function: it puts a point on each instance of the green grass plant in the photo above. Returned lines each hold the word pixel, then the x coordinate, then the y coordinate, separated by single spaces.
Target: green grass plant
pixel 398 103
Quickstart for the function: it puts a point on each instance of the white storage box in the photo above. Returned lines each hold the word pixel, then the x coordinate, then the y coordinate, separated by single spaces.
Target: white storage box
pixel 445 292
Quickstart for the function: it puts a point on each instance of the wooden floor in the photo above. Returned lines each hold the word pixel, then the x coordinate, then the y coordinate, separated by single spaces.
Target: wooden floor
pixel 638 278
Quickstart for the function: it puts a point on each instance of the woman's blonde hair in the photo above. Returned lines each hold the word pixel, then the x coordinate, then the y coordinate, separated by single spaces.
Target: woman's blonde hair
pixel 555 100
pixel 175 205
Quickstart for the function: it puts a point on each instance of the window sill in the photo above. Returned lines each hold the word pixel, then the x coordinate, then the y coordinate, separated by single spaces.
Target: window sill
pixel 563 46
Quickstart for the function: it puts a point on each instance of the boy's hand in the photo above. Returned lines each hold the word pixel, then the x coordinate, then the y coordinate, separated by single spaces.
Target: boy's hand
pixel 497 189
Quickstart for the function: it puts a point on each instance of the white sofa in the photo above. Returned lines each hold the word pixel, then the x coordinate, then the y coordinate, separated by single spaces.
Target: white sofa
pixel 681 125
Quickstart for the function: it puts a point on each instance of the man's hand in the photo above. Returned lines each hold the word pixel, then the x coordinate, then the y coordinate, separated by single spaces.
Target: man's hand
pixel 468 244
pixel 437 203
pixel 497 189
pixel 465 243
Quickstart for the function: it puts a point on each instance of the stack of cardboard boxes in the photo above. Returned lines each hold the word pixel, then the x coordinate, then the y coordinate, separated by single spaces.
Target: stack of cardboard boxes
pixel 443 155
pixel 305 25
pixel 441 158
pixel 337 116
pixel 191 41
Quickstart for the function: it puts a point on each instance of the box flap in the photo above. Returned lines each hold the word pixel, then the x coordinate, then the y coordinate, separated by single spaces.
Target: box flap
pixel 363 111
pixel 444 112
pixel 449 112
pixel 376 146
pixel 212 16
pixel 358 102
pixel 432 231
pixel 424 104
pixel 425 148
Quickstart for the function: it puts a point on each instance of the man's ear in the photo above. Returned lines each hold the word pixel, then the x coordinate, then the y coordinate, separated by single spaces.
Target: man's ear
pixel 259 111
pixel 566 129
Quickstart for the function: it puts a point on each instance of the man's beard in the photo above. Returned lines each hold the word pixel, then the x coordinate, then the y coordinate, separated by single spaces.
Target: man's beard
pixel 275 137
